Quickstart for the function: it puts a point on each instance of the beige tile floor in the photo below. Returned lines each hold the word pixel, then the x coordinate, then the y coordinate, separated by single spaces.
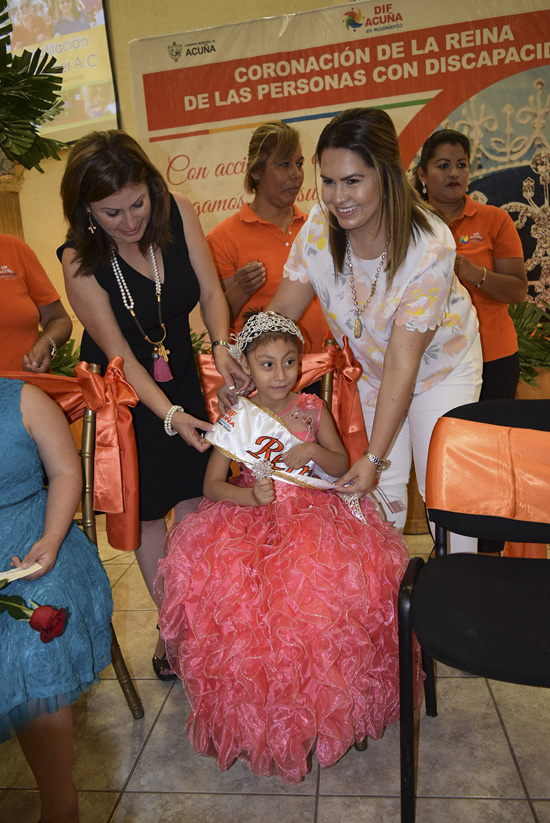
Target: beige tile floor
pixel 486 757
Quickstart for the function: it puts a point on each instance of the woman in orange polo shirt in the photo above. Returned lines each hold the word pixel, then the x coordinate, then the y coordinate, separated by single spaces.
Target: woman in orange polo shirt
pixel 28 301
pixel 489 259
pixel 489 262
pixel 251 247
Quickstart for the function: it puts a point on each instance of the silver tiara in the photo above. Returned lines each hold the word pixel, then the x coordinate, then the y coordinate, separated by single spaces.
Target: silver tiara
pixel 262 323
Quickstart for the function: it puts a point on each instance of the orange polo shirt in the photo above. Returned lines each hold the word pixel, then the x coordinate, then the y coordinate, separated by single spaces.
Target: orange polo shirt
pixel 244 237
pixel 485 234
pixel 24 285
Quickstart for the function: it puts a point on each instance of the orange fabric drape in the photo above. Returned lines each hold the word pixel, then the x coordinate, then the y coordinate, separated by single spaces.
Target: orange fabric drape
pixel 346 404
pixel 501 470
pixel 534 550
pixel 115 465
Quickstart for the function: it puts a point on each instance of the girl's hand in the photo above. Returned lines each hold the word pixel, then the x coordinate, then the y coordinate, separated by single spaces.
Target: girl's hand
pixel 359 480
pixel 41 552
pixel 186 426
pixel 263 491
pixel 298 456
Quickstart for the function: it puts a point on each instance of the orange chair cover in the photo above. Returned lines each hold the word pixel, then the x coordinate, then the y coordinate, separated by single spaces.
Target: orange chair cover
pixel 533 550
pixel 501 469
pixel 346 404
pixel 115 465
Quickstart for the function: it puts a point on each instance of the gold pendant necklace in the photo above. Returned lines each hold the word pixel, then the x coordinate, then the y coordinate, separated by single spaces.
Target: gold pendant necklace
pixel 161 369
pixel 358 308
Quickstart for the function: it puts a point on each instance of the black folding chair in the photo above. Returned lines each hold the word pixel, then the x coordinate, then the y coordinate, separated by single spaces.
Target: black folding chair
pixel 489 616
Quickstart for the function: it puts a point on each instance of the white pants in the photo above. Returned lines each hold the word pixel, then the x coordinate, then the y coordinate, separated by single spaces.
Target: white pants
pixel 461 386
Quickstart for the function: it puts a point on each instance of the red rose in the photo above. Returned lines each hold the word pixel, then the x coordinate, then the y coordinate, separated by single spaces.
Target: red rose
pixel 48 621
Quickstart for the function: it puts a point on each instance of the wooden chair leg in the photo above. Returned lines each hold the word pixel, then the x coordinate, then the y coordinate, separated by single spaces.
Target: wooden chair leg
pixel 123 677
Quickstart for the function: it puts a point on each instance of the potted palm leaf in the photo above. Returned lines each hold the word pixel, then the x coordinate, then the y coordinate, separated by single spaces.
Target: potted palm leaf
pixel 30 86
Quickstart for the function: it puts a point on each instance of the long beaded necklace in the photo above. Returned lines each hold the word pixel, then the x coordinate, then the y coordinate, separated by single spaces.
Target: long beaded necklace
pixel 358 308
pixel 161 369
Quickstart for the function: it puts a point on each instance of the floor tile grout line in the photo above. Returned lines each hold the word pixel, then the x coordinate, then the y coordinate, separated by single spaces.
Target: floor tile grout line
pixel 139 755
pixel 317 797
pixel 513 754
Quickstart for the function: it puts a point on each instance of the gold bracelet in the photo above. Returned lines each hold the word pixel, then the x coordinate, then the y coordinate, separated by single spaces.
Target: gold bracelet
pixel 378 461
pixel 482 281
pixel 223 343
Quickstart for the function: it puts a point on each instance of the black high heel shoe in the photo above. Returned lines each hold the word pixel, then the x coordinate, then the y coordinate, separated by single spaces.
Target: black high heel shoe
pixel 162 668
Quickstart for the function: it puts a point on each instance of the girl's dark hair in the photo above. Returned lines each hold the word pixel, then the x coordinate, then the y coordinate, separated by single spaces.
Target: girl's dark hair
pixel 270 137
pixel 370 134
pixel 99 165
pixel 269 336
pixel 438 138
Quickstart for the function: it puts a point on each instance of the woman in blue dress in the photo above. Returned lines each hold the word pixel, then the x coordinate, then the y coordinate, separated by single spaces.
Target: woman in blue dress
pixel 39 679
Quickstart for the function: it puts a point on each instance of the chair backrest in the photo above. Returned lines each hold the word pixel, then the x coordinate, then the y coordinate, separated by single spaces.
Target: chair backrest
pixel 488 470
pixel 87 454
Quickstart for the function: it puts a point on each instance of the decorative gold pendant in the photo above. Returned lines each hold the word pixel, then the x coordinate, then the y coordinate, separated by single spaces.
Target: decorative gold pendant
pixel 358 329
pixel 161 351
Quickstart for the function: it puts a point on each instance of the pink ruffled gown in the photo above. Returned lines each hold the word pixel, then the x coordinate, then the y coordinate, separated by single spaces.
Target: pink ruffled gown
pixel 281 621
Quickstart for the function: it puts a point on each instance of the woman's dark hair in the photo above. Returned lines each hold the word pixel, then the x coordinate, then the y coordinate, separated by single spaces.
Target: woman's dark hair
pixel 99 165
pixel 438 138
pixel 270 137
pixel 370 134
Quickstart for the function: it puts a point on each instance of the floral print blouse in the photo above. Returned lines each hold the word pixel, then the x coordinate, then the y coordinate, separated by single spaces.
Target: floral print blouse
pixel 425 294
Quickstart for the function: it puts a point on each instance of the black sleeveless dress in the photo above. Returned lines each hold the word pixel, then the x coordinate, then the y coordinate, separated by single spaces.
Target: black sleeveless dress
pixel 169 469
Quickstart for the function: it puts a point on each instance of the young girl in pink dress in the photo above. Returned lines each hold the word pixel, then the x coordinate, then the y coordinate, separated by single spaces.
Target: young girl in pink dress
pixel 279 597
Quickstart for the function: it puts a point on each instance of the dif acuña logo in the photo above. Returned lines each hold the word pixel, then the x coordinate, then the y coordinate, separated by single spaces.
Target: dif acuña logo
pixel 382 14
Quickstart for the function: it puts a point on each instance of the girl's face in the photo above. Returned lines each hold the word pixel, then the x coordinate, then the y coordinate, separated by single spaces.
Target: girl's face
pixel 125 214
pixel 350 191
pixel 274 368
pixel 280 181
pixel 446 175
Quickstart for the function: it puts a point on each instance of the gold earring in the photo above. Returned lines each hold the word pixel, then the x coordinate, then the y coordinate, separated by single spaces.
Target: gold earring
pixel 424 189
pixel 91 226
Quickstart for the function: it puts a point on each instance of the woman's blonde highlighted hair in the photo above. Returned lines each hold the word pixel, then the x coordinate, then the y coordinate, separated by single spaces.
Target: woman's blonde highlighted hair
pixel 370 134
pixel 274 136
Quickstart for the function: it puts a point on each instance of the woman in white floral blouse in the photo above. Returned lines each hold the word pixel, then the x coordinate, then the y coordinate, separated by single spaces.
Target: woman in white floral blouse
pixel 381 264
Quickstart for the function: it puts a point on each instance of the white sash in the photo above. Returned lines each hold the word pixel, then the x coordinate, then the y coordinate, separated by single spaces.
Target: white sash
pixel 257 438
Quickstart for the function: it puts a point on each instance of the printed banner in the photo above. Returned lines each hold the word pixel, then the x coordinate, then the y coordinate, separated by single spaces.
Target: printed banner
pixel 482 68
pixel 72 31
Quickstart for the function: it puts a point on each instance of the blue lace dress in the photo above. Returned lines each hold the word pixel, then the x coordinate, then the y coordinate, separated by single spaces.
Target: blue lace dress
pixel 37 677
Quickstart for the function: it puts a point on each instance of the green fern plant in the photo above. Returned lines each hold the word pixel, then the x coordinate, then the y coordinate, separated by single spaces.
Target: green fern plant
pixel 30 86
pixel 533 331
pixel 66 358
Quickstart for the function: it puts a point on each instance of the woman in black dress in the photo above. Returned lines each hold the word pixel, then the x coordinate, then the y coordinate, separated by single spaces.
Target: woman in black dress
pixel 135 265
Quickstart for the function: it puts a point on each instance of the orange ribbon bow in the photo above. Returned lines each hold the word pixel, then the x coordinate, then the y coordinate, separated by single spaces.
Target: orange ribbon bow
pixel 115 465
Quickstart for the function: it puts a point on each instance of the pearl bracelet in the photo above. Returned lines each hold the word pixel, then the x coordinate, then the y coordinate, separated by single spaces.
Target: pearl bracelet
pixel 378 462
pixel 168 420
pixel 482 281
